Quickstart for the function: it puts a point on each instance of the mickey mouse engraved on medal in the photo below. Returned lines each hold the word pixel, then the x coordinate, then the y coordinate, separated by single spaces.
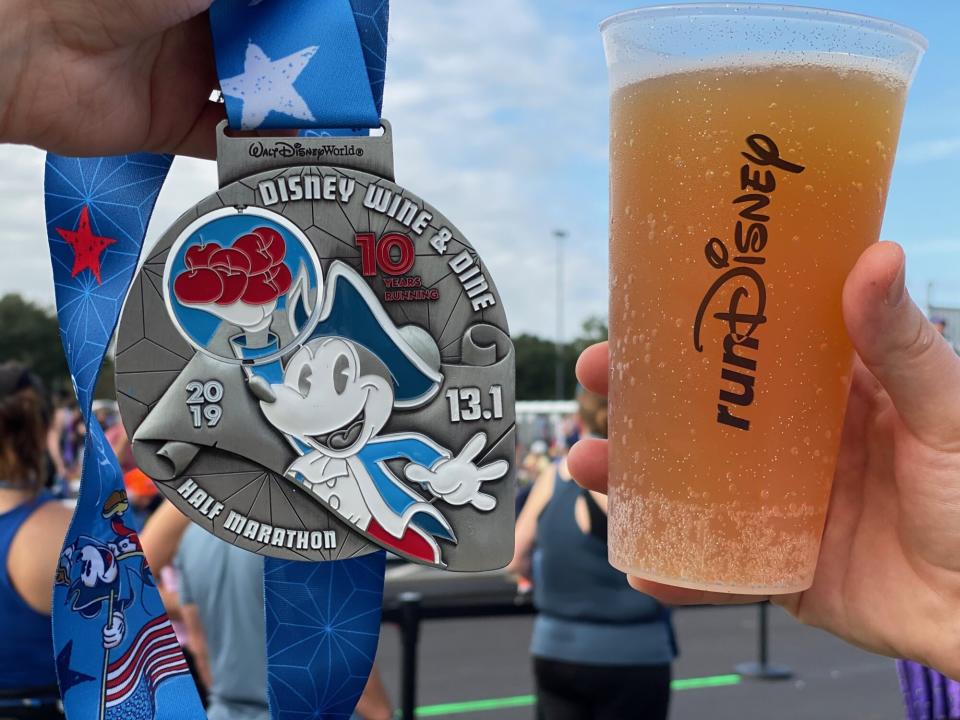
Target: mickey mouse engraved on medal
pixel 313 363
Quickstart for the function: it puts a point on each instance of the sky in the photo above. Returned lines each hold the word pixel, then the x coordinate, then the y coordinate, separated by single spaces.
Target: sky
pixel 499 111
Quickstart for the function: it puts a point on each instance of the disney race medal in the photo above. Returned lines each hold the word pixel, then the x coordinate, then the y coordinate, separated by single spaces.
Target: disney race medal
pixel 282 64
pixel 328 351
pixel 313 363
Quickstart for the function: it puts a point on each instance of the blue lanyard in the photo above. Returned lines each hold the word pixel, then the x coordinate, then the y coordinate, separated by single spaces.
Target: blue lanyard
pixel 301 63
pixel 282 63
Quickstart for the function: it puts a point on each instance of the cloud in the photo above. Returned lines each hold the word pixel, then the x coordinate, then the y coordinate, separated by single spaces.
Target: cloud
pixel 930 151
pixel 26 269
pixel 499 121
pixel 26 266
pixel 501 125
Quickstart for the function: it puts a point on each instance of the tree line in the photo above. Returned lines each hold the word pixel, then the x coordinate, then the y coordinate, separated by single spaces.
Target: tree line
pixel 29 333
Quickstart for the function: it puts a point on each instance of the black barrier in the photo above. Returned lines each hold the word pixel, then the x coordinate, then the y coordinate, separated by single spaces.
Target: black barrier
pixel 408 609
pixel 762 668
pixel 409 614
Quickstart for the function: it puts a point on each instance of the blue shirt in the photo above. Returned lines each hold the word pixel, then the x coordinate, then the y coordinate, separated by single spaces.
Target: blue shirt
pixel 26 653
pixel 226 584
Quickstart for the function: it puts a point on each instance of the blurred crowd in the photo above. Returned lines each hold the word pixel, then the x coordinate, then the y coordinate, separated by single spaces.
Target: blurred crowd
pixel 66 435
pixel 599 649
pixel 212 591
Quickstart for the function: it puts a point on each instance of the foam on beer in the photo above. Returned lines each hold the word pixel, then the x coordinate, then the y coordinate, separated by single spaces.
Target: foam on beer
pixel 645 66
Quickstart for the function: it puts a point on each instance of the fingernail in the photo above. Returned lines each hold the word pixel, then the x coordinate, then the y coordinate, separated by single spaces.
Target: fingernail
pixel 898 288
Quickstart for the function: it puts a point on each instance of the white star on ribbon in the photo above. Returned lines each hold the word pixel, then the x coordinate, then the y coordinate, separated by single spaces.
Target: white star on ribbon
pixel 266 85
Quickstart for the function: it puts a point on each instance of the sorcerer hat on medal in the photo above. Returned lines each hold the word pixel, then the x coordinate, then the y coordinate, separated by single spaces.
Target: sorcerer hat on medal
pixel 409 353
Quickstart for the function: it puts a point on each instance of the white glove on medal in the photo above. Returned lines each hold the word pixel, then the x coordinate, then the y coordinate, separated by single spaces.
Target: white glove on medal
pixel 113 631
pixel 457 480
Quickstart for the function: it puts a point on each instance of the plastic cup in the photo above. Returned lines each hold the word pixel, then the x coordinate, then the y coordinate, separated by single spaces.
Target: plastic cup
pixel 750 155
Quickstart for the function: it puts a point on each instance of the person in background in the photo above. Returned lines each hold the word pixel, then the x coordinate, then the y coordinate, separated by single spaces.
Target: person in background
pixel 374 702
pixel 168 584
pixel 221 606
pixel 159 540
pixel 116 435
pixel 65 443
pixel 61 419
pixel 570 431
pixel 74 439
pixel 105 412
pixel 601 651
pixel 533 465
pixel 940 323
pixel 142 493
pixel 221 600
pixel 537 459
pixel 928 694
pixel 32 528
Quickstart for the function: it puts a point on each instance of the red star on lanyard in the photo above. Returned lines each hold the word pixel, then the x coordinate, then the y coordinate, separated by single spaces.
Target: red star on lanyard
pixel 87 247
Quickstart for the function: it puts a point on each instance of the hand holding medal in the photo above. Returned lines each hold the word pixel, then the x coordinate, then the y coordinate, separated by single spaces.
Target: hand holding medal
pixel 312 363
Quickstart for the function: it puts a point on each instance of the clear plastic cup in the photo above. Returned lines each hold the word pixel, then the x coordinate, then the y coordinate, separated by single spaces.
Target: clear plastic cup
pixel 750 155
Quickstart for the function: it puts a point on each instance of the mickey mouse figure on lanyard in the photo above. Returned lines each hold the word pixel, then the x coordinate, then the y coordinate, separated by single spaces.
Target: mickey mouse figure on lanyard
pixel 312 363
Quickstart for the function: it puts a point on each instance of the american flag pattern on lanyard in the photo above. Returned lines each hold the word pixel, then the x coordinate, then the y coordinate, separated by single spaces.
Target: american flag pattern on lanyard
pixel 154 656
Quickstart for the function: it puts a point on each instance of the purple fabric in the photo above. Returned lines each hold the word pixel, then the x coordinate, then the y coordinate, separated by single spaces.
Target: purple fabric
pixel 927 694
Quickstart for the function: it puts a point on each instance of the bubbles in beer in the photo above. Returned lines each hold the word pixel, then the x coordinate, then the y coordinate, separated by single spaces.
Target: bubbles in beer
pixel 693 501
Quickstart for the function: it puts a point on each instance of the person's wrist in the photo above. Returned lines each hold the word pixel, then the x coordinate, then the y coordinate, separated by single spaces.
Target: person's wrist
pixel 945 656
pixel 943 634
pixel 927 629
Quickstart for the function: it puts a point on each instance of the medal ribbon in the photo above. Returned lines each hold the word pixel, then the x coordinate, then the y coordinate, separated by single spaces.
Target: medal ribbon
pixel 323 619
pixel 116 654
pixel 309 64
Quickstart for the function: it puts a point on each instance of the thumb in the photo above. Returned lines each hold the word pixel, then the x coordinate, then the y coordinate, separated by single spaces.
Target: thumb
pixel 903 350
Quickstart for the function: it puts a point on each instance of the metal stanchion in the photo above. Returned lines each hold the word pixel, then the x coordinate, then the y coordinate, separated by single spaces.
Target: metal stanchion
pixel 409 611
pixel 762 669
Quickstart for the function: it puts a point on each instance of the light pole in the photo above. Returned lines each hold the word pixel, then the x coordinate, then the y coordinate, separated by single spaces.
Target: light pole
pixel 558 388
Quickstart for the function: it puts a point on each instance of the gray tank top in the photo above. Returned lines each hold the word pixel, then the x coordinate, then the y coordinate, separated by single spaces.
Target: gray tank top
pixel 588 612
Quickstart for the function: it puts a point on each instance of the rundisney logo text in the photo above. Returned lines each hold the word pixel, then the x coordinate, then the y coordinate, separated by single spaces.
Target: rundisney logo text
pixel 748 299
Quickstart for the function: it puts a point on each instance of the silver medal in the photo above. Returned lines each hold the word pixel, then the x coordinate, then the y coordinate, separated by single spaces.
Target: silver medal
pixel 313 363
